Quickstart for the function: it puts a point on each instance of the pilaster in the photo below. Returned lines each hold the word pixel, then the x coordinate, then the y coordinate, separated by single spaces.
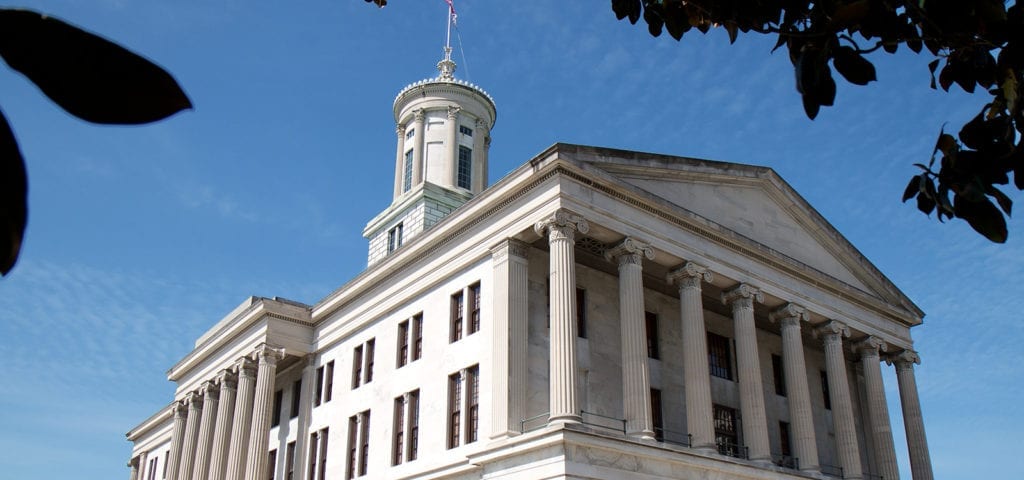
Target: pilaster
pixel 832 333
pixel 755 421
pixel 509 341
pixel 794 367
pixel 878 410
pixel 636 385
pixel 308 390
pixel 696 378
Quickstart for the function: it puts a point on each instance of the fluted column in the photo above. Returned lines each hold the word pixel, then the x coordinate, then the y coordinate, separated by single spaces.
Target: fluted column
pixel 913 421
pixel 832 333
pixel 136 466
pixel 206 427
pixel 417 148
pixel 188 446
pixel 561 230
pixel 451 165
pixel 755 421
pixel 179 412
pixel 801 417
pixel 509 341
pixel 305 414
pixel 878 410
pixel 481 142
pixel 400 159
pixel 256 460
pixel 241 424
pixel 222 430
pixel 636 383
pixel 696 377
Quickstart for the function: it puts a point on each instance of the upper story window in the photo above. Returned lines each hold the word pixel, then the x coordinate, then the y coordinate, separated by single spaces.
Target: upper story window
pixel 362 364
pixel 410 340
pixel 296 396
pixel 779 374
pixel 719 356
pixel 581 312
pixel 395 237
pixel 275 418
pixel 474 308
pixel 465 130
pixel 824 391
pixel 407 172
pixel 457 303
pixel 726 433
pixel 651 329
pixel 324 383
pixel 465 175
pixel 410 133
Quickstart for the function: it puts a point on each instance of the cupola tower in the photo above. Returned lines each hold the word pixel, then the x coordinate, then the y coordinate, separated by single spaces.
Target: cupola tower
pixel 443 127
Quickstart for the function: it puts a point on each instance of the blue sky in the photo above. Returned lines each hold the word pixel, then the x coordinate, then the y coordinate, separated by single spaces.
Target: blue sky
pixel 141 238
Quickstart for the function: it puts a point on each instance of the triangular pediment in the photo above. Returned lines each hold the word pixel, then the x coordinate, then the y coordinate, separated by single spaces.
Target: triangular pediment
pixel 752 202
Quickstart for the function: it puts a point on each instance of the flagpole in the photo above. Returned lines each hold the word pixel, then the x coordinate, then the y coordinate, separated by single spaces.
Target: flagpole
pixel 448 34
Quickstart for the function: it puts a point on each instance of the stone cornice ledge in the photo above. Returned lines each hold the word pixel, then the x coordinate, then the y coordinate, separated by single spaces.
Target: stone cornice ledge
pixel 158 419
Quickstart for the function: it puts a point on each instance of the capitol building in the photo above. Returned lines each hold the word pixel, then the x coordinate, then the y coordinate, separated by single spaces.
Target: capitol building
pixel 595 314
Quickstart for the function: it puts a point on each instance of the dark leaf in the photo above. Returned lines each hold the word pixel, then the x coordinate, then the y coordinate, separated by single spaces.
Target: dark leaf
pixel 811 106
pixel 912 188
pixel 931 68
pixel 653 19
pixel 925 204
pixel 945 144
pixel 947 76
pixel 89 77
pixel 852 66
pixel 966 78
pixel 983 217
pixel 13 198
pixel 890 47
pixel 676 20
pixel 914 44
pixel 850 14
pixel 731 29
pixel 1004 202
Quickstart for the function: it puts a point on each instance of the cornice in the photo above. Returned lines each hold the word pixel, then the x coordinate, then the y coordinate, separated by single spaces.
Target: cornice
pixel 450 87
pixel 157 420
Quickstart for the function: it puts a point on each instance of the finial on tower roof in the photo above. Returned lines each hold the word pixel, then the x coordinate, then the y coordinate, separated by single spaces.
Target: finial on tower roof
pixel 447 66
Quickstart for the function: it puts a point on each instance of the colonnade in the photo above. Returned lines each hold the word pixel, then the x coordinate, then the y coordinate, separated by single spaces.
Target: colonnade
pixel 560 230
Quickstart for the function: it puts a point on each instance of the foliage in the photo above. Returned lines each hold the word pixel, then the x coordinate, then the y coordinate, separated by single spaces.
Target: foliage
pixel 979 43
pixel 89 77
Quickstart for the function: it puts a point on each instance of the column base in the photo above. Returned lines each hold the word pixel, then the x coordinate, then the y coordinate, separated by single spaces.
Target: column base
pixel 645 435
pixel 563 419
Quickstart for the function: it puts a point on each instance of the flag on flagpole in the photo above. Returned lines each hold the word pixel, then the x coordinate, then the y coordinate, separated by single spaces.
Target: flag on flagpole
pixel 451 11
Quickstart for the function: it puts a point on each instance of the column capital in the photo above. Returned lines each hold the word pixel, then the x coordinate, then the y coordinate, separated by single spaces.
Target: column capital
pixel 562 224
pixel 179 409
pixel 419 114
pixel 244 367
pixel 689 275
pixel 904 359
pixel 194 400
pixel 480 123
pixel 743 295
pixel 870 346
pixel 629 251
pixel 208 389
pixel 831 330
pixel 511 246
pixel 453 111
pixel 267 354
pixel 790 314
pixel 226 379
pixel 400 129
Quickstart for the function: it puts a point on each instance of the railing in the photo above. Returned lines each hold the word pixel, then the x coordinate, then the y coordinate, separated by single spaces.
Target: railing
pixel 603 421
pixel 733 450
pixel 832 470
pixel 669 436
pixel 532 421
pixel 873 476
pixel 786 461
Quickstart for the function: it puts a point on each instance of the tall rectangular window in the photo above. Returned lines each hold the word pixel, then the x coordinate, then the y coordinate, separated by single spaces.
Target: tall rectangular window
pixel 289 461
pixel 275 418
pixel 357 366
pixel 454 409
pixel 314 440
pixel 779 374
pixel 474 308
pixel 398 426
pixel 405 442
pixel 465 175
pixel 457 304
pixel 784 444
pixel 319 382
pixel 328 381
pixel 726 436
pixel 368 375
pixel 322 470
pixel 656 419
pixel 824 390
pixel 353 446
pixel 719 357
pixel 167 456
pixel 407 172
pixel 296 396
pixel 358 444
pixel 395 237
pixel 473 403
pixel 364 435
pixel 271 464
pixel 403 343
pixel 414 425
pixel 651 329
pixel 417 336
pixel 581 312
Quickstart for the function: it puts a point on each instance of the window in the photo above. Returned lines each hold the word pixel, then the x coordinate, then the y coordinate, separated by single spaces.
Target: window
pixel 296 396
pixel 465 165
pixel 167 456
pixel 272 464
pixel 725 430
pixel 319 382
pixel 779 374
pixel 364 434
pixel 824 391
pixel 358 444
pixel 151 467
pixel 328 381
pixel 456 314
pixel 289 460
pixel 403 343
pixel 275 419
pixel 322 470
pixel 656 420
pixel 407 173
pixel 395 237
pixel 454 409
pixel 474 308
pixel 417 335
pixel 473 401
pixel 398 443
pixel 784 444
pixel 353 445
pixel 405 443
pixel 369 361
pixel 719 357
pixel 357 366
pixel 465 130
pixel 410 133
pixel 651 324
pixel 581 312
pixel 314 439
pixel 414 425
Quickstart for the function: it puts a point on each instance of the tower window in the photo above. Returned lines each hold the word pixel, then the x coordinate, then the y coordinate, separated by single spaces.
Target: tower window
pixel 407 173
pixel 465 167
pixel 409 133
pixel 465 130
pixel 395 238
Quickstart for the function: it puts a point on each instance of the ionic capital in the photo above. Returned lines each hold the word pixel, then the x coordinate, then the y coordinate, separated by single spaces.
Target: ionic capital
pixel 418 115
pixel 561 225
pixel 629 252
pixel 743 296
pixel 267 354
pixel 832 331
pixel 903 359
pixel 400 129
pixel 453 111
pixel 689 276
pixel 790 315
pixel 869 346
